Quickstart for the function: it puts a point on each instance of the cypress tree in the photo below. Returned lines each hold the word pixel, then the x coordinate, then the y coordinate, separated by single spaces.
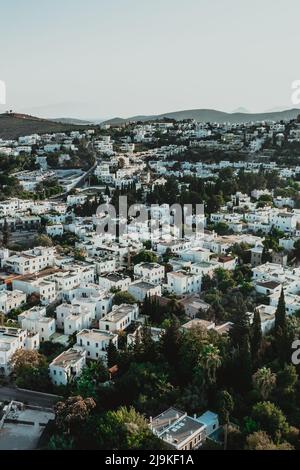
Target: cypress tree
pixel 255 336
pixel 244 365
pixel 148 345
pixel 156 310
pixel 5 233
pixel 112 355
pixel 240 329
pixel 146 305
pixel 280 314
pixel 282 340
pixel 171 341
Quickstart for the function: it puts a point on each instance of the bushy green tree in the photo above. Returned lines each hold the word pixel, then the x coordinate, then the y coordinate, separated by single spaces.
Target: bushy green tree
pixel 264 381
pixel 31 370
pixel 260 440
pixel 125 429
pixel 123 298
pixel 89 383
pixel 270 419
pixel 145 256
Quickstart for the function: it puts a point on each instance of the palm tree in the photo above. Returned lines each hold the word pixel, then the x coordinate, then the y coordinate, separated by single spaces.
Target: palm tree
pixel 210 361
pixel 264 381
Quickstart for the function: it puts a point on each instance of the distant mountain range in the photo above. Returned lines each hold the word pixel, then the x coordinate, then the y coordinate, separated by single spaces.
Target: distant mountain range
pixel 241 109
pixel 63 110
pixel 211 115
pixel 76 122
pixel 15 125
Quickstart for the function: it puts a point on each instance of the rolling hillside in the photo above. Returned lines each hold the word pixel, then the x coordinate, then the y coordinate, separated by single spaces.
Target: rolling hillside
pixel 211 115
pixel 15 125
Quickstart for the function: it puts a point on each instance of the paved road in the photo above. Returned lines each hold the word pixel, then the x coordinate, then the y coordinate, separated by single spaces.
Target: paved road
pixel 27 397
pixel 77 185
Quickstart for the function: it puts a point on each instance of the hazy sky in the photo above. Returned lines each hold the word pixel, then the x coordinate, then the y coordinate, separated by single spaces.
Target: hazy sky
pixel 104 58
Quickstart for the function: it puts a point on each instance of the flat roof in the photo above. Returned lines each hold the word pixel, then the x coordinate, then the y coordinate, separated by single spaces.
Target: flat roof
pixel 143 285
pixel 166 418
pixel 207 417
pixel 198 322
pixel 182 430
pixel 67 358
pixel 269 284
pixel 114 277
pixel 97 335
pixel 150 266
pixel 194 301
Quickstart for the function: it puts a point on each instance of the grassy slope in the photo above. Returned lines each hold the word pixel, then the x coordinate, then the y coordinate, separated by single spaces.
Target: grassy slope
pixel 13 126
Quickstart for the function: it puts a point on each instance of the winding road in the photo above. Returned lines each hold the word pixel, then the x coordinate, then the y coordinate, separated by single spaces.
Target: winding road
pixel 28 397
